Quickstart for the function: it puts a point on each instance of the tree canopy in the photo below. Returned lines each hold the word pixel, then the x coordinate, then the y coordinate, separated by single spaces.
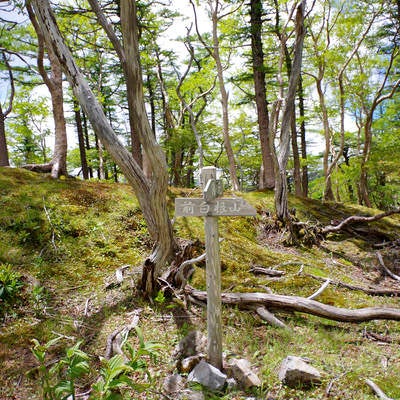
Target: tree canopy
pixel 215 80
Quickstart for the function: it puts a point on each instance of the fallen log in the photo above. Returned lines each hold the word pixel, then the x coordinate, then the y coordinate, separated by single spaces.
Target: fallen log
pixel 300 304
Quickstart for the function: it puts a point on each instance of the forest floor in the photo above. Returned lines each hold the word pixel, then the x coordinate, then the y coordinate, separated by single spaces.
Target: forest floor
pixel 65 239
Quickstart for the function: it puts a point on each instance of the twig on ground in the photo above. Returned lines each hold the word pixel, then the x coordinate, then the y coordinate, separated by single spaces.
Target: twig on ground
pixel 370 291
pixel 266 271
pixel 320 290
pixel 385 268
pixel 377 390
pixel 53 234
pixel 269 317
pixel 117 337
pixel 184 272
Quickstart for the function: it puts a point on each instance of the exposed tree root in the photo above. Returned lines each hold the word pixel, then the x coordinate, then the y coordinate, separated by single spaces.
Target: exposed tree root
pixel 357 219
pixel 300 304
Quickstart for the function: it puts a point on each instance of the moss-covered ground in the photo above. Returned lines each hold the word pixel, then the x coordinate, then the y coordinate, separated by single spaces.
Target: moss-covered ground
pixel 66 238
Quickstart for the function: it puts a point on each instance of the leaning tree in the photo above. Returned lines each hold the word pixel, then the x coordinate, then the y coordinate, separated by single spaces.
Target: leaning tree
pixel 150 191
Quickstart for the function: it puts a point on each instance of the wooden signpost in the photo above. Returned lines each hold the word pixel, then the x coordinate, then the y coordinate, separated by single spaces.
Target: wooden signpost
pixel 212 206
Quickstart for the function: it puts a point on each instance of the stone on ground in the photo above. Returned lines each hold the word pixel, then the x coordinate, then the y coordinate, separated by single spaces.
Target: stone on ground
pixel 295 372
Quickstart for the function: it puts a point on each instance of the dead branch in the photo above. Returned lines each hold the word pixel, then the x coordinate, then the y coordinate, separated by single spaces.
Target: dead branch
pixel 269 317
pixel 385 268
pixel 320 290
pixel 377 337
pixel 116 339
pixel 186 269
pixel 377 390
pixel 301 304
pixel 370 291
pixel 266 271
pixel 358 218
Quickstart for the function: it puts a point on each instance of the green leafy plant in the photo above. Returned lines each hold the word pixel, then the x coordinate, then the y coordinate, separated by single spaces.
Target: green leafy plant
pixel 115 372
pixel 145 349
pixel 39 300
pixel 113 377
pixel 40 351
pixel 58 382
pixel 11 284
pixel 73 366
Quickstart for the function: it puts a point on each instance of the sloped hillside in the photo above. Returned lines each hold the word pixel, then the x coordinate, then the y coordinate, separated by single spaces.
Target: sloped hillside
pixel 62 241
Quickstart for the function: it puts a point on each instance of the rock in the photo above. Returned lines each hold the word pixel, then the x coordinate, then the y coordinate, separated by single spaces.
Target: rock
pixel 173 384
pixel 241 371
pixel 296 372
pixel 231 384
pixel 208 376
pixel 192 344
pixel 187 364
pixel 189 394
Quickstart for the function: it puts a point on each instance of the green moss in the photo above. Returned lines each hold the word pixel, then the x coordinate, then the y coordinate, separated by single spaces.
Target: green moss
pixel 68 236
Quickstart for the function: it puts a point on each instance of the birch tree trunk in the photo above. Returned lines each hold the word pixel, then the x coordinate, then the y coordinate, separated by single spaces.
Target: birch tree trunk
pixel 151 194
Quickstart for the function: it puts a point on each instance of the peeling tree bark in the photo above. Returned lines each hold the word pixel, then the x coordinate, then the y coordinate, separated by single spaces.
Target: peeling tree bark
pixel 151 194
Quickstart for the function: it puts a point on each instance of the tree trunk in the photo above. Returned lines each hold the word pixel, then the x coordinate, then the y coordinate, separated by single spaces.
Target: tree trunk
pixel 296 158
pixel 151 194
pixel 128 61
pixel 224 101
pixel 59 160
pixel 303 141
pixel 54 84
pixel 81 140
pixel 267 175
pixel 281 189
pixel 4 160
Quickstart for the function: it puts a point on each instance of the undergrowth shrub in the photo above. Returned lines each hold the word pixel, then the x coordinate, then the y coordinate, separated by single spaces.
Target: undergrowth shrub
pixel 116 377
pixel 11 284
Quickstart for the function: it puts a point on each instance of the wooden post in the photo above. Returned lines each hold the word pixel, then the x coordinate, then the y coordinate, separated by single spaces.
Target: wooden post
pixel 212 206
pixel 213 278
